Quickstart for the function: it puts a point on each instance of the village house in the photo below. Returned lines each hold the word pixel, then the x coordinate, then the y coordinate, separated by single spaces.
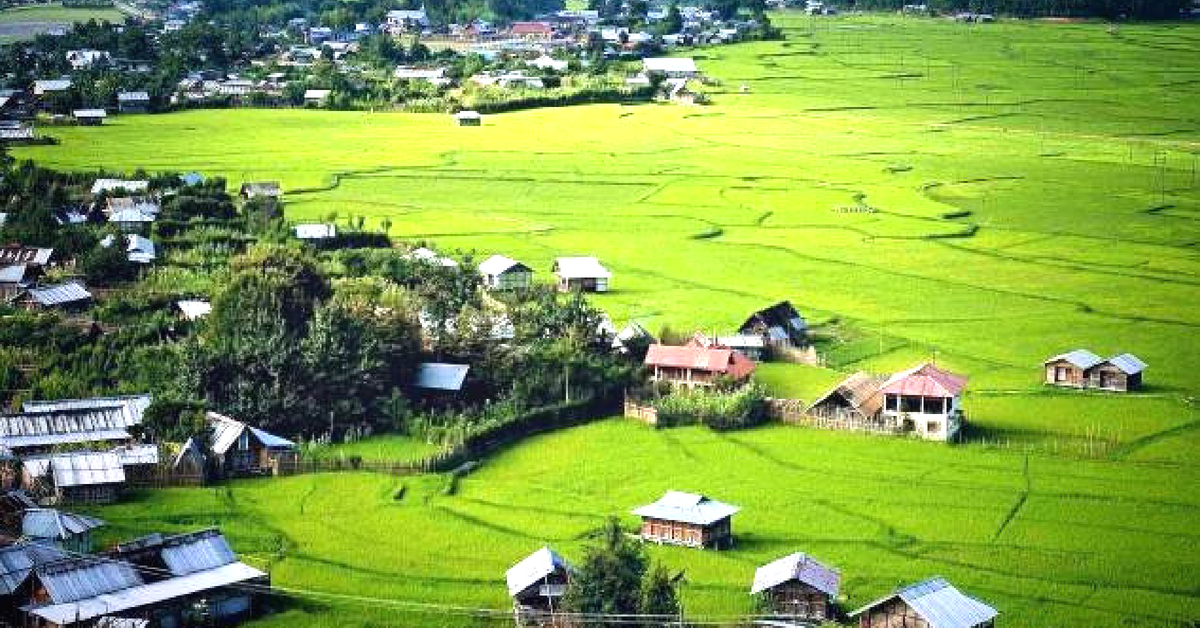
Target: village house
pixel 158 580
pixel 934 603
pixel 400 21
pixel 138 249
pixel 677 91
pixel 797 586
pixel 193 309
pixel 16 131
pixel 434 76
pixel 42 431
pixel 468 118
pixel 64 530
pixel 693 366
pixel 89 117
pixel 131 407
pixel 81 477
pixel 688 519
pixel 534 31
pixel 253 190
pixel 316 97
pixel 1072 369
pixel 429 256
pixel 110 186
pixel 17 562
pixel 133 102
pixel 749 345
pixel 546 62
pixel 88 59
pixel 671 67
pixel 244 450
pixel 70 296
pixel 17 104
pixel 1083 369
pixel 48 87
pixel 632 336
pixel 581 273
pixel 536 585
pixel 315 232
pixel 13 504
pixel 504 273
pixel 190 460
pixel 779 325
pixel 20 268
pixel 925 400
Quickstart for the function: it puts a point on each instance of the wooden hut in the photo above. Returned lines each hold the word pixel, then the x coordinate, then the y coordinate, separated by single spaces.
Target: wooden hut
pixel 797 586
pixel 1121 373
pixel 468 118
pixel 82 477
pixel 933 603
pixel 688 519
pixel 779 325
pixel 1072 369
pixel 536 584
pixel 245 450
pixel 856 399
pixel 504 273
pixel 17 563
pixel 65 530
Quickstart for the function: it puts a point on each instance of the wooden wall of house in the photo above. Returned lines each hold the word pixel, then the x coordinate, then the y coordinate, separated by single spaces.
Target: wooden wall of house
pixel 91 494
pixel 1109 377
pixel 797 599
pixel 892 614
pixel 1073 376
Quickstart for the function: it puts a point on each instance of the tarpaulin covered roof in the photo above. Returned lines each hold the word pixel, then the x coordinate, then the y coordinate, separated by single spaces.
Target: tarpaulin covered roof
pixel 940 604
pixel 925 380
pixel 800 567
pixel 533 569
pixel 687 508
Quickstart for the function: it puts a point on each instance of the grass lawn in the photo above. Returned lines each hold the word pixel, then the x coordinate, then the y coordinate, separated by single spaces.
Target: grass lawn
pixel 382 448
pixel 1051 541
pixel 986 195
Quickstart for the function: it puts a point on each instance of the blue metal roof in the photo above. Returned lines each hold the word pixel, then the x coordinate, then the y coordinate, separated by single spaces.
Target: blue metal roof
pixel 939 604
pixel 687 508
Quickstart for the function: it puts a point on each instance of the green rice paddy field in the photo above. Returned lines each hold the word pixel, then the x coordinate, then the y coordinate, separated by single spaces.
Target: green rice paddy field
pixel 988 194
pixel 26 22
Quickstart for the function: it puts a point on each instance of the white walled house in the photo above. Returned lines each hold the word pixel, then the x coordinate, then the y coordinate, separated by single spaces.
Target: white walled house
pixel 504 273
pixel 926 401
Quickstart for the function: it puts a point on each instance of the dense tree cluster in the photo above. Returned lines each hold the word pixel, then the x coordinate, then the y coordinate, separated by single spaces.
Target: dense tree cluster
pixel 616 578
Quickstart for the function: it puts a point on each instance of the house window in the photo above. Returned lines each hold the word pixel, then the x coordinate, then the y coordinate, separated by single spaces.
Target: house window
pixel 934 405
pixel 933 427
pixel 1060 374
pixel 244 441
pixel 890 400
pixel 910 404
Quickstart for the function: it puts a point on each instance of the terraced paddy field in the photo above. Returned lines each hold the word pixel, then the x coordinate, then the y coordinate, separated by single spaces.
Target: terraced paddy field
pixel 988 194
pixel 27 22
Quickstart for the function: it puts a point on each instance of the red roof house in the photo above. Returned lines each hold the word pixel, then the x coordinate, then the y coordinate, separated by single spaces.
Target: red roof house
pixel 531 30
pixel 925 400
pixel 697 366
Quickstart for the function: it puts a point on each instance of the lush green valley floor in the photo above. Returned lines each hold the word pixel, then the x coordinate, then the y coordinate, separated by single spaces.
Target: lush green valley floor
pixel 1051 541
pixel 989 194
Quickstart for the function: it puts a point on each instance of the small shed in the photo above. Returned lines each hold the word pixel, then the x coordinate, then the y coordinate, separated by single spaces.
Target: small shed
pixel 133 102
pixel 779 325
pixel 536 584
pixel 468 118
pixel 89 117
pixel 1072 369
pixel 856 398
pixel 315 232
pixel 190 461
pixel 585 274
pixel 688 519
pixel 79 477
pixel 504 273
pixel 1121 373
pixel 797 586
pixel 64 530
pixel 933 603
pixel 193 309
pixel 252 190
pixel 316 97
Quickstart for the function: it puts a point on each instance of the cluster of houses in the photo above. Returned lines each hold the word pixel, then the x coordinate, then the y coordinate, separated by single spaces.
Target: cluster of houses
pixel 793 588
pixel 50 576
pixel 1083 369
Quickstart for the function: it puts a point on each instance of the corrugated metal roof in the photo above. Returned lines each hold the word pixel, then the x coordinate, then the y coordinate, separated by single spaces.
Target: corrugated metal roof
pixel 144 594
pixel 580 268
pixel 800 567
pixel 740 341
pixel 70 292
pixel 19 560
pixel 133 97
pixel 226 432
pixel 110 185
pixel 939 604
pixel 48 523
pixel 46 440
pixel 90 113
pixel 77 468
pixel 132 406
pixel 193 309
pixel 189 553
pixel 66 425
pixel 1128 363
pixel 925 380
pixel 687 508
pixel 423 254
pixel 313 231
pixel 17 254
pixel 122 622
pixel 669 64
pixel 499 264
pixel 13 274
pixel 440 376
pixel 1081 358
pixel 534 568
pixel 712 360
pixel 137 454
pixel 82 578
pixel 860 390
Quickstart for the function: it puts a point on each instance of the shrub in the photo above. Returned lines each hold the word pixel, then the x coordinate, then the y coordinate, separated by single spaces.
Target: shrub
pixel 719 410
